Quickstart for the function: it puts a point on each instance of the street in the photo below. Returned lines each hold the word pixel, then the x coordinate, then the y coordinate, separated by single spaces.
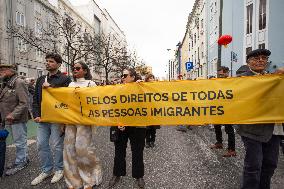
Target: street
pixel 179 160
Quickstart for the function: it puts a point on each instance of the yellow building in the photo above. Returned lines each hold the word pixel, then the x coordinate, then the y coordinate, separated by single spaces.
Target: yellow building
pixel 184 53
pixel 149 69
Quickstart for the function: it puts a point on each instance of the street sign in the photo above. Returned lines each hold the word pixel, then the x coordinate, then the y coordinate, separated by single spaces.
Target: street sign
pixel 234 57
pixel 189 66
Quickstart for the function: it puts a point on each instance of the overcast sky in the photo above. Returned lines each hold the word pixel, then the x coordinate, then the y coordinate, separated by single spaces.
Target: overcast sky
pixel 151 26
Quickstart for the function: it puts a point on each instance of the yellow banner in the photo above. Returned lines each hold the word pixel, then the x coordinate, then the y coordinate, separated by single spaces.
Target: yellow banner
pixel 245 100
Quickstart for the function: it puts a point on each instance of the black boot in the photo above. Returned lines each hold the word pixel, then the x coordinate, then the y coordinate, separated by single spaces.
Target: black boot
pixel 140 182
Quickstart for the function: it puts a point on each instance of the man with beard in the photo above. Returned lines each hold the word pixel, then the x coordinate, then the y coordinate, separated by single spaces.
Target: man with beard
pixel 14 114
pixel 49 132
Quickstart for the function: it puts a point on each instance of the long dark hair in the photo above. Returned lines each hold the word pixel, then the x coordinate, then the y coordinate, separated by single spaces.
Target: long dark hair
pixel 88 75
pixel 133 73
pixel 148 77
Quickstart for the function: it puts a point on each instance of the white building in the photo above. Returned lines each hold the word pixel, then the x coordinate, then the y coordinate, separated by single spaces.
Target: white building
pixel 13 50
pixel 198 40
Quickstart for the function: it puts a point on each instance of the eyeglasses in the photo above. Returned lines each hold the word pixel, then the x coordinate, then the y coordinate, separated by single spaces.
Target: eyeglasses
pixel 259 57
pixel 76 68
pixel 124 75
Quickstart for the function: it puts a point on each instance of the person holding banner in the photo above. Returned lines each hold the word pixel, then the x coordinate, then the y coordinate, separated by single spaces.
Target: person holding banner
pixel 82 168
pixel 223 72
pixel 136 135
pixel 261 141
pixel 151 130
pixel 49 132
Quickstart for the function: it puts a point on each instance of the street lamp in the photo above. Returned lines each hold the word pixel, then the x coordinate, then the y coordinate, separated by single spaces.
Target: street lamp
pixel 170 64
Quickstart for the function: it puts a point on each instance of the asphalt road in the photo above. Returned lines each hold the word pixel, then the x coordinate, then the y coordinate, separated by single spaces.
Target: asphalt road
pixel 179 161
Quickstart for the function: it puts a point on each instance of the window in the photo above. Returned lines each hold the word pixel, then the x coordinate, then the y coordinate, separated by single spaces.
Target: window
pixel 38 28
pixel 202 49
pixel 39 53
pixel 21 45
pixel 249 18
pixel 198 53
pixel 39 72
pixel 201 24
pixel 37 8
pixel 261 46
pixel 20 18
pixel 262 14
pixel 248 49
pixel 195 38
pixel 23 74
pixel 195 57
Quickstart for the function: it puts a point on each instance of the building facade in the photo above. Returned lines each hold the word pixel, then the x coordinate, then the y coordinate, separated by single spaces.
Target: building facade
pixel 197 40
pixel 184 53
pixel 263 28
pixel 36 15
pixel 253 24
pixel 19 14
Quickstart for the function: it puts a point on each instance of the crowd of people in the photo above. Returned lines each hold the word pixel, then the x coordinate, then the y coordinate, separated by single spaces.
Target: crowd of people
pixel 73 146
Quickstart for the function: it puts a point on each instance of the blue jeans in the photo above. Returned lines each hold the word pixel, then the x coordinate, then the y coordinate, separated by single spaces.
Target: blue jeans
pixel 260 162
pixel 19 134
pixel 48 135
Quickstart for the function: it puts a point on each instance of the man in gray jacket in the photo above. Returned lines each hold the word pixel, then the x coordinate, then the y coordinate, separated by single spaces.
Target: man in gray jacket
pixel 14 113
pixel 261 142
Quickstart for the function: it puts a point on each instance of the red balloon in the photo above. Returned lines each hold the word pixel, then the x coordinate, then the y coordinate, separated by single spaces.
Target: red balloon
pixel 225 40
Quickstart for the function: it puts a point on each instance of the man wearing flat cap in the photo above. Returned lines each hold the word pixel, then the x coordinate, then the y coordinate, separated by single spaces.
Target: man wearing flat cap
pixel 14 113
pixel 261 141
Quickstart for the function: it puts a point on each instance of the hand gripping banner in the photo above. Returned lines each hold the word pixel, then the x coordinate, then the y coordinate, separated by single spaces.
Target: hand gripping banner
pixel 243 100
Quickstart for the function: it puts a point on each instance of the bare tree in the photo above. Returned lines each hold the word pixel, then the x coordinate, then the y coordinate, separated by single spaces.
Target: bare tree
pixel 62 35
pixel 107 53
pixel 75 43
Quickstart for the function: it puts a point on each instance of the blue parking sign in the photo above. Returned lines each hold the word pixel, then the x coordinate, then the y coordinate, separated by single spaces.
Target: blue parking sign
pixel 189 66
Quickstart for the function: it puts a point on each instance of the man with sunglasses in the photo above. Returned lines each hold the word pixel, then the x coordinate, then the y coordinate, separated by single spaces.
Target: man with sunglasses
pixel 261 141
pixel 49 132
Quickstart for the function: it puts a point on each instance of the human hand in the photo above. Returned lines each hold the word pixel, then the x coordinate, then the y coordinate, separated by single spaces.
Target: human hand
pixel 37 119
pixel 122 128
pixel 9 118
pixel 139 81
pixel 45 85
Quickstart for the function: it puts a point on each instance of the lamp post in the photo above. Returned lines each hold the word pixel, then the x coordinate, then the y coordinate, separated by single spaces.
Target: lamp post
pixel 169 64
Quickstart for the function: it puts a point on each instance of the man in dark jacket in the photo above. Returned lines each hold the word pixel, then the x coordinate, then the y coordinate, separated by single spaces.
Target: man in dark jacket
pixel 260 141
pixel 14 114
pixel 223 72
pixel 49 132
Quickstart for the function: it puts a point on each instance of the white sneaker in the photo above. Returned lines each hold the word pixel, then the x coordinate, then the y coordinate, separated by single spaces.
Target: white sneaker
pixel 58 175
pixel 40 178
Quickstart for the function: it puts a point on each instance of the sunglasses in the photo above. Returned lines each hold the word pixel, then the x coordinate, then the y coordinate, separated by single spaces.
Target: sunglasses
pixel 76 68
pixel 259 57
pixel 124 75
